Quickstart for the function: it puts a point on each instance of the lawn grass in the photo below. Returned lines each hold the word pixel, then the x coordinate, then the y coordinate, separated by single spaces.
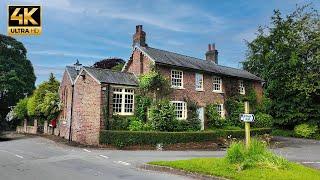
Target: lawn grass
pixel 222 168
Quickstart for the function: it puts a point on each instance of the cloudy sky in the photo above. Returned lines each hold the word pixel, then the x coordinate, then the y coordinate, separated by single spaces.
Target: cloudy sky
pixel 97 29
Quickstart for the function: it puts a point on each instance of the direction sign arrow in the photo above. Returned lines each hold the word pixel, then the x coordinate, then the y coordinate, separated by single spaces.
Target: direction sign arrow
pixel 247 117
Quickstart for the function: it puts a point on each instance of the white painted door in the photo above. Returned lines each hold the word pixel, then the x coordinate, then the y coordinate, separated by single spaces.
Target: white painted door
pixel 201 117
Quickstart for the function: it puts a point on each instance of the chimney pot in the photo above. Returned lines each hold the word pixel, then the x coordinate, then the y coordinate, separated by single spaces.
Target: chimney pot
pixel 139 38
pixel 212 53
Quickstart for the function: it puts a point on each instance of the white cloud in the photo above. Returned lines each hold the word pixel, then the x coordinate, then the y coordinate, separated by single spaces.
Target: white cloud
pixel 67 54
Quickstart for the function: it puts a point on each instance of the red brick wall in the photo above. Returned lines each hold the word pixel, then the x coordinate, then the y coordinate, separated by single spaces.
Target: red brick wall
pixel 139 63
pixel 87 111
pixel 203 98
pixel 65 115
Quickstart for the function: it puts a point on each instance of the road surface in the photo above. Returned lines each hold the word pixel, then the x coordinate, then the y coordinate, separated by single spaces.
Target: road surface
pixel 37 158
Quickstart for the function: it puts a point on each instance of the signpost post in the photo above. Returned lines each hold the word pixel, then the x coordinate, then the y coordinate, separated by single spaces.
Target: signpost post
pixel 247 123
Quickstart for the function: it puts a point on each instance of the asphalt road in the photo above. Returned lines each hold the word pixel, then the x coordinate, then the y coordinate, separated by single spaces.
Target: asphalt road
pixel 39 158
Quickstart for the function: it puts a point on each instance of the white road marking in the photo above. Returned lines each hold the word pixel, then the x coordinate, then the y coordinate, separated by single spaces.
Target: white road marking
pixel 104 156
pixel 122 162
pixel 19 156
pixel 86 150
pixel 310 162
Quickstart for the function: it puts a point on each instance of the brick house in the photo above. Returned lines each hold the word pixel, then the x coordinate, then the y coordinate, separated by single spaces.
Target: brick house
pixel 202 81
pixel 87 92
pixel 85 98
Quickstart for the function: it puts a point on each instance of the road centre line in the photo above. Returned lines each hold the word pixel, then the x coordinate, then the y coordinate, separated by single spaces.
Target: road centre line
pixel 106 157
pixel 122 162
pixel 86 150
pixel 19 156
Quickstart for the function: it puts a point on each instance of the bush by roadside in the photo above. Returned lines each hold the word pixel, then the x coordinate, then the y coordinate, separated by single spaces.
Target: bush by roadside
pixel 121 139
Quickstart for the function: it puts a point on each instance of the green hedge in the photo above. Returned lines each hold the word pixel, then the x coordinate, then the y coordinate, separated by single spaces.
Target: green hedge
pixel 126 138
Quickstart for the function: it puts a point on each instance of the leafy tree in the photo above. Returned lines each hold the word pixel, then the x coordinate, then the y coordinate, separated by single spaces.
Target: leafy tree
pixel 20 110
pixel 110 63
pixel 287 55
pixel 51 106
pixel 16 74
pixel 37 102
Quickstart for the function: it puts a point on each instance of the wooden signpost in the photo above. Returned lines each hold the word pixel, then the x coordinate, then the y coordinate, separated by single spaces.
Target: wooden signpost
pixel 247 119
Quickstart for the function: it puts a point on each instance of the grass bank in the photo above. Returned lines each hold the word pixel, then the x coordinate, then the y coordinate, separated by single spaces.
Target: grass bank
pixel 222 168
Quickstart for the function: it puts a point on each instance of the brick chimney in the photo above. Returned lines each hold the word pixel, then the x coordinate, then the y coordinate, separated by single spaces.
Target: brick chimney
pixel 212 53
pixel 139 38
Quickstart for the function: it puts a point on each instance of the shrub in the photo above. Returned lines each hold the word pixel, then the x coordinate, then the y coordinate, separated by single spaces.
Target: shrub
pixel 142 105
pixel 154 82
pixel 234 108
pixel 213 117
pixel 192 123
pixel 256 155
pixel 152 137
pixel 305 130
pixel 162 116
pixel 119 123
pixel 263 120
pixel 135 124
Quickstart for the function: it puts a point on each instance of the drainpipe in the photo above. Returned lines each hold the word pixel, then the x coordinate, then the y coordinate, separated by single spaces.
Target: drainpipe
pixel 70 126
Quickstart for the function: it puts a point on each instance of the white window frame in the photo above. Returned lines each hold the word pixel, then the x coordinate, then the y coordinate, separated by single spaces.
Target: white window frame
pixel 242 88
pixel 123 94
pixel 172 78
pixel 183 109
pixel 216 84
pixel 199 81
pixel 220 110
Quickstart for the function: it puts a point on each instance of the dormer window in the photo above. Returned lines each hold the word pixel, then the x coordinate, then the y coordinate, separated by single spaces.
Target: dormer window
pixel 217 84
pixel 176 79
pixel 242 89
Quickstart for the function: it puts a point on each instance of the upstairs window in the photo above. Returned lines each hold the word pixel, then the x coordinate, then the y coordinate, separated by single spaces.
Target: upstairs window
pixel 180 109
pixel 220 110
pixel 176 79
pixel 217 84
pixel 199 82
pixel 242 89
pixel 123 101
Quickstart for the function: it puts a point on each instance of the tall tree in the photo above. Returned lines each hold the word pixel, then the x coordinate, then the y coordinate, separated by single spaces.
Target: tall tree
pixel 17 76
pixel 110 63
pixel 38 105
pixel 287 55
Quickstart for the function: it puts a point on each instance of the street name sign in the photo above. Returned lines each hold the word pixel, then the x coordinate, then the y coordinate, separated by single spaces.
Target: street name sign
pixel 247 117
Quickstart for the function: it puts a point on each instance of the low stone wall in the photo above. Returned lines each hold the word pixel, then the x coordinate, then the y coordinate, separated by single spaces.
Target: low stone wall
pixel 28 129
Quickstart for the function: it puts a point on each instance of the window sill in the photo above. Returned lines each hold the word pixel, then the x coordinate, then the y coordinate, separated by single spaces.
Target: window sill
pixel 220 92
pixel 173 87
pixel 123 114
pixel 199 90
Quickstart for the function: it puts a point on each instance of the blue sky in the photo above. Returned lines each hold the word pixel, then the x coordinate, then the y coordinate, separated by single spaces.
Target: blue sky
pixel 97 29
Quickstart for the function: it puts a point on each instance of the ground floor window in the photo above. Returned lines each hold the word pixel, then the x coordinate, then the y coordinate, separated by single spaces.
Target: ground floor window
pixel 180 109
pixel 123 101
pixel 220 109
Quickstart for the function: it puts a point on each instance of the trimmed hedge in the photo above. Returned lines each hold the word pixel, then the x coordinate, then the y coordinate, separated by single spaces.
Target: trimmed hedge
pixel 126 138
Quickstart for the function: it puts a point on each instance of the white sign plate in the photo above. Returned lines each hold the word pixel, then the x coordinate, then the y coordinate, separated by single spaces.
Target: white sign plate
pixel 247 117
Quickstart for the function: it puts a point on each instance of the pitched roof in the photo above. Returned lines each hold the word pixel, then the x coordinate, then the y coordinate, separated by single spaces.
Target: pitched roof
pixel 112 77
pixel 71 70
pixel 179 60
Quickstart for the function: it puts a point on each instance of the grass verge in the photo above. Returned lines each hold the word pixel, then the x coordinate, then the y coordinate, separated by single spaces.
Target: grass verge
pixel 223 168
